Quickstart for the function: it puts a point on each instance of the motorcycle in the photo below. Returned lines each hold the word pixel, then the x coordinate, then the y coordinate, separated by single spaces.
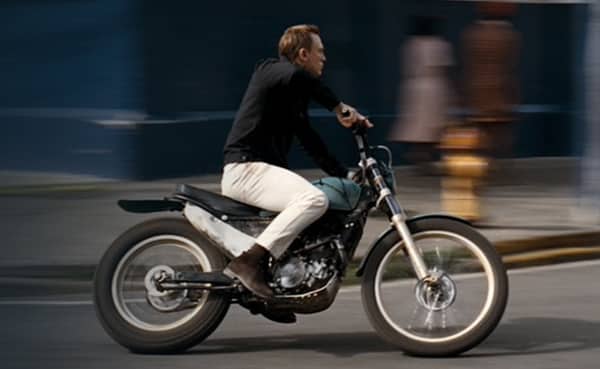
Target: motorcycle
pixel 431 284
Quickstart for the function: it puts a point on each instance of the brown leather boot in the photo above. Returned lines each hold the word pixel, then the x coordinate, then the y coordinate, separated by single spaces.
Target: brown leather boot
pixel 248 268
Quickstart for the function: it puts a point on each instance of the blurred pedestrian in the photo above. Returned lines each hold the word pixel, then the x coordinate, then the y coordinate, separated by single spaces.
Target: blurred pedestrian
pixel 491 54
pixel 424 92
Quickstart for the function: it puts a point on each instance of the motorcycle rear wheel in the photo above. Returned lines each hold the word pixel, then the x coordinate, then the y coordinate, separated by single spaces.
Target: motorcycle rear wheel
pixel 454 310
pixel 137 314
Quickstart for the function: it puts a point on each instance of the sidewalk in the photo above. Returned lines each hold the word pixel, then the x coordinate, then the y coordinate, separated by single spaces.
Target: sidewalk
pixel 530 215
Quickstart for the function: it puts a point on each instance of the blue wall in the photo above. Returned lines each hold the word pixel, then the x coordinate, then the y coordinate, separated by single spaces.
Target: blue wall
pixel 65 64
pixel 168 77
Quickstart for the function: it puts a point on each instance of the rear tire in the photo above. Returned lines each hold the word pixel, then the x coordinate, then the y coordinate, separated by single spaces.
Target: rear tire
pixel 155 322
pixel 468 303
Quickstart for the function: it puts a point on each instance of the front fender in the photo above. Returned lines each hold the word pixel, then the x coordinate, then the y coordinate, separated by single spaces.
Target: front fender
pixel 409 222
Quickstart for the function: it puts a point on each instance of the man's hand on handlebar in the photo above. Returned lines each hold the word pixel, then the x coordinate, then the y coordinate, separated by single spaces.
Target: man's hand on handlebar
pixel 349 116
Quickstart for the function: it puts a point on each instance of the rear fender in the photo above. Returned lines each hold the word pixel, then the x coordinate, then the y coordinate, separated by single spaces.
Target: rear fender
pixel 150 206
pixel 391 229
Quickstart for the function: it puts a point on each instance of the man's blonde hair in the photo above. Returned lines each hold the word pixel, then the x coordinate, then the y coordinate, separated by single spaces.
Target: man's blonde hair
pixel 295 38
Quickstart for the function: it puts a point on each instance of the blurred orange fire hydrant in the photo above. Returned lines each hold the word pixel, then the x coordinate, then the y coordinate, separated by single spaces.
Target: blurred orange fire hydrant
pixel 464 166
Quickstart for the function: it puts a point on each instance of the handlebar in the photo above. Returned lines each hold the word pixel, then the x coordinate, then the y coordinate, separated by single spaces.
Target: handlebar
pixel 360 136
pixel 359 130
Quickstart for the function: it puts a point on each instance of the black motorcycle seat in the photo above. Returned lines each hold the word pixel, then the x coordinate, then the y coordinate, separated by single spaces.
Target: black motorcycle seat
pixel 219 205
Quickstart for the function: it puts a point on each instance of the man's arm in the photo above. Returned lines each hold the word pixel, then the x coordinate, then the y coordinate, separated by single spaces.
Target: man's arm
pixel 316 148
pixel 314 87
pixel 346 114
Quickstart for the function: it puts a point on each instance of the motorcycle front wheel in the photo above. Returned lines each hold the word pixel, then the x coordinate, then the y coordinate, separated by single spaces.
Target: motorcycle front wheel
pixel 138 314
pixel 451 311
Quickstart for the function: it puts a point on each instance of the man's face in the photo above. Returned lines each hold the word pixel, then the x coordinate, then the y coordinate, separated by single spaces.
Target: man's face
pixel 314 59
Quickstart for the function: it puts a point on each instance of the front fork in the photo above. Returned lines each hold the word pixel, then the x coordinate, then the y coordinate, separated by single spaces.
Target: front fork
pixel 416 259
pixel 397 217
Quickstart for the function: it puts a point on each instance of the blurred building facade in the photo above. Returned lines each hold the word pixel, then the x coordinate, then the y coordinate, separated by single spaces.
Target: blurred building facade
pixel 148 89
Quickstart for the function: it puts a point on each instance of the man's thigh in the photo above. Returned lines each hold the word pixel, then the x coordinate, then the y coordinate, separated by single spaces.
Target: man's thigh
pixel 270 187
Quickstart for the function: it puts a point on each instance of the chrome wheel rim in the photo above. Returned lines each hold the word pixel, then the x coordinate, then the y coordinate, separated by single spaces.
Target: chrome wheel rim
pixel 463 295
pixel 135 295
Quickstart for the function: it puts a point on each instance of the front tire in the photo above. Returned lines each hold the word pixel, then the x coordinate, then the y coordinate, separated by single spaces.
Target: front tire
pixel 442 318
pixel 137 315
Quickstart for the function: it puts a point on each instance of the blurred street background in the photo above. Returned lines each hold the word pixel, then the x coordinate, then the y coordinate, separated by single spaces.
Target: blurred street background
pixel 97 95
pixel 142 90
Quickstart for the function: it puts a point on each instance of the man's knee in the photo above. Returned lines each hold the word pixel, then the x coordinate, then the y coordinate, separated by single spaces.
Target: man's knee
pixel 319 201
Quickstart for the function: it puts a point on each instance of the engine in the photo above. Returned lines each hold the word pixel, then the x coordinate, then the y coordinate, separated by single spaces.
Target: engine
pixel 302 272
pixel 321 252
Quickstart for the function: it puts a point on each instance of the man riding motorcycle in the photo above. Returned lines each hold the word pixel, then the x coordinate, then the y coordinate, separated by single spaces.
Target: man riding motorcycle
pixel 273 111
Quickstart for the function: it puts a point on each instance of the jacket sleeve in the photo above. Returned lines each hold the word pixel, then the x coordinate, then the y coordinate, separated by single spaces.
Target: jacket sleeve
pixel 315 88
pixel 316 148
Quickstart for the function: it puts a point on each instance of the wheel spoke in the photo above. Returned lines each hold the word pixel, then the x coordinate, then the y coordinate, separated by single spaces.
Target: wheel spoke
pixel 441 259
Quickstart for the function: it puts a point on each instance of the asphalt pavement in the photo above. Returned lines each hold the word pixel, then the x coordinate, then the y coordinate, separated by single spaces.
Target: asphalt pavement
pixel 551 322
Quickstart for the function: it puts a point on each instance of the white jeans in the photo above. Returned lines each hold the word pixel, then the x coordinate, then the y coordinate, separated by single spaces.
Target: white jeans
pixel 275 189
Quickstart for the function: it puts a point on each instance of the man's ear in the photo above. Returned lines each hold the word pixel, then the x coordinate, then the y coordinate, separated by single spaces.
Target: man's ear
pixel 302 54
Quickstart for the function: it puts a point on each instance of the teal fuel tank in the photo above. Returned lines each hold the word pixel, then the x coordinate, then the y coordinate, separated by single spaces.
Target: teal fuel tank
pixel 343 194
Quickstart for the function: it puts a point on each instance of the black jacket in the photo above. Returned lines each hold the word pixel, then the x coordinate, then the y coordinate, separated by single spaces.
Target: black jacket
pixel 274 110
